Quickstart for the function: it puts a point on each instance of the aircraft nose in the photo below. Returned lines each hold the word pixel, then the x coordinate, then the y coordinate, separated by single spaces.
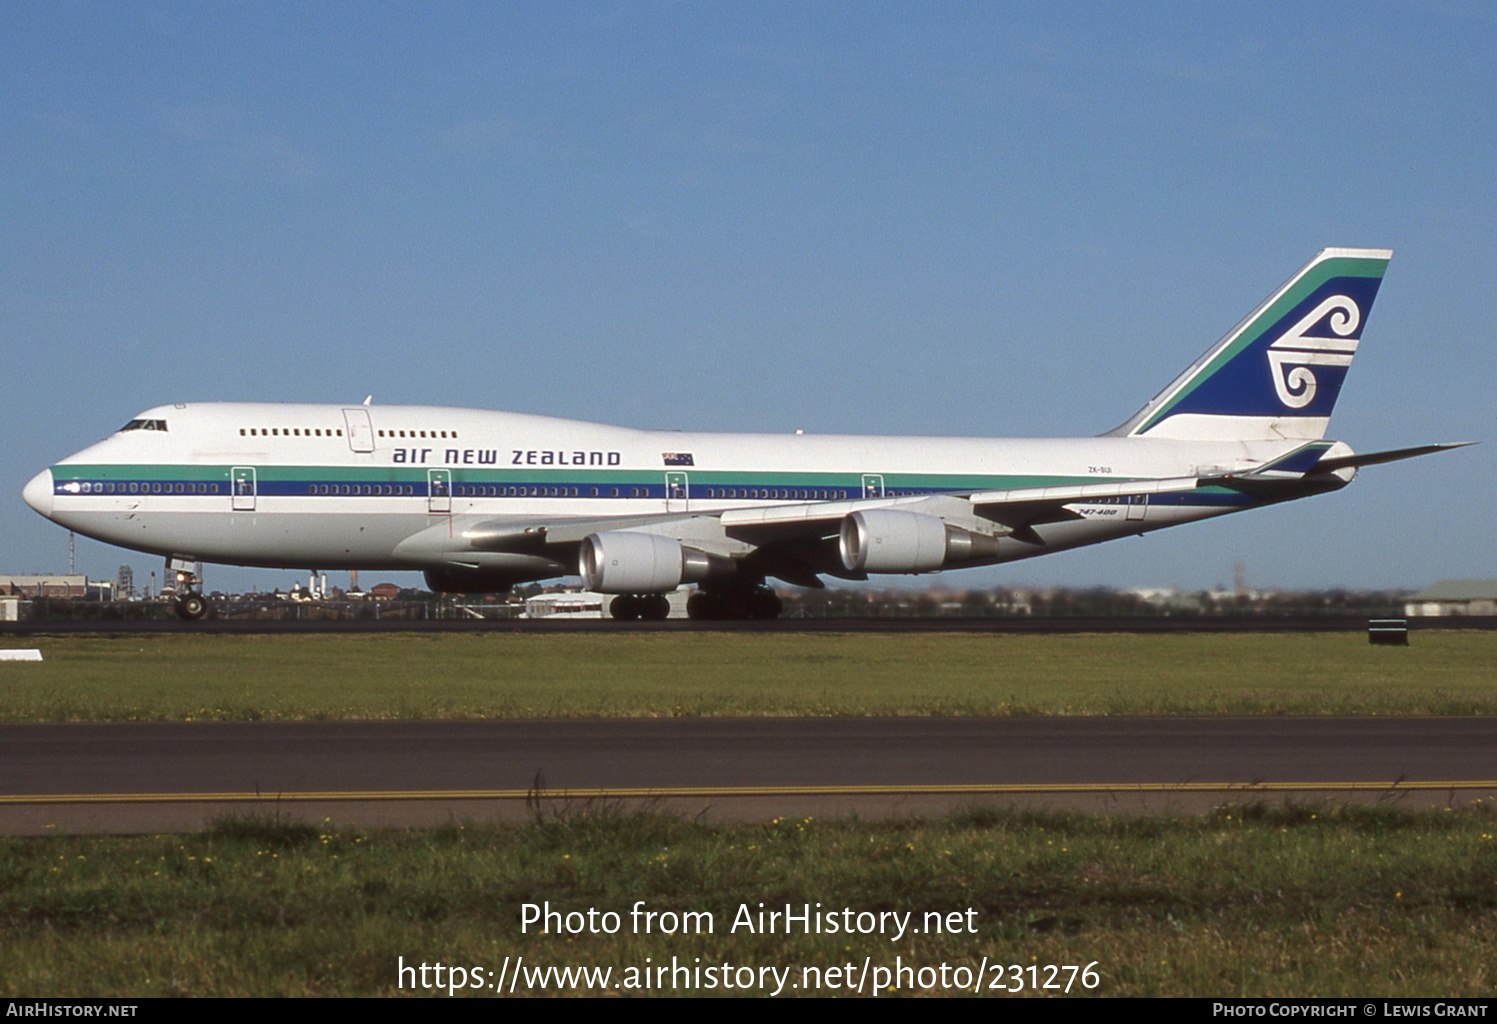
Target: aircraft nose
pixel 38 493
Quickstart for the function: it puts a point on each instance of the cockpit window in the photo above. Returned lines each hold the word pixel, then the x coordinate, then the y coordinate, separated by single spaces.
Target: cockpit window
pixel 144 425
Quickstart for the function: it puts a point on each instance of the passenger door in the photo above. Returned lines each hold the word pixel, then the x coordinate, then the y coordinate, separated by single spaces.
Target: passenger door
pixel 677 492
pixel 360 430
pixel 242 483
pixel 439 491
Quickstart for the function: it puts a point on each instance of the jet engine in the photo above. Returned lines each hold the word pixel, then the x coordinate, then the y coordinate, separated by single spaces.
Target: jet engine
pixel 643 563
pixel 890 540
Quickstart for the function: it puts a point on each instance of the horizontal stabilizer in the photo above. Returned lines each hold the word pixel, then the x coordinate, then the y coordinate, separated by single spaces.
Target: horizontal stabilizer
pixel 1376 458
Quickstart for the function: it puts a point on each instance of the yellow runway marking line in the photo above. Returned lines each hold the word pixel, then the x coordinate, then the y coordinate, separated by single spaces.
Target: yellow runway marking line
pixel 979 789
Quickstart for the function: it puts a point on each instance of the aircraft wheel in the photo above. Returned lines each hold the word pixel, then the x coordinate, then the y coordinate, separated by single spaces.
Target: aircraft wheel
pixel 624 608
pixel 733 605
pixel 701 606
pixel 760 603
pixel 656 607
pixel 764 604
pixel 192 607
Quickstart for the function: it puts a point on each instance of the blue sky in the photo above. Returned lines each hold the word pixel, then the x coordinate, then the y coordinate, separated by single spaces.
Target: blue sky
pixel 991 219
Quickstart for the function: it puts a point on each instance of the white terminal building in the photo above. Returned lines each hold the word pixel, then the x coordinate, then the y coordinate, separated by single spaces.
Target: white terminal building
pixel 1453 597
pixel 587 604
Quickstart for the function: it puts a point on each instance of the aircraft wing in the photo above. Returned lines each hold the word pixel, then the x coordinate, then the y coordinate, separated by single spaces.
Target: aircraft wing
pixel 1014 509
pixel 798 542
pixel 1021 509
pixel 983 502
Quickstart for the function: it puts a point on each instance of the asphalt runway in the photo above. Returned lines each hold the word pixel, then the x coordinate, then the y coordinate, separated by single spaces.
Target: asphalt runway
pixel 151 777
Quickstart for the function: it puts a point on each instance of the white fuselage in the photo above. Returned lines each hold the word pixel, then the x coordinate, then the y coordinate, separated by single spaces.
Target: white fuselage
pixel 328 486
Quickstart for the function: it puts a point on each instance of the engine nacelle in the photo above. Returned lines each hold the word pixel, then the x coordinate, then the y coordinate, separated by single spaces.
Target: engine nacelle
pixel 642 563
pixel 890 540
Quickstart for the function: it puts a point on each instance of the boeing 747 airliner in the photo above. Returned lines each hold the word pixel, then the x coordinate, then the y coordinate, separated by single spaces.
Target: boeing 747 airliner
pixel 483 500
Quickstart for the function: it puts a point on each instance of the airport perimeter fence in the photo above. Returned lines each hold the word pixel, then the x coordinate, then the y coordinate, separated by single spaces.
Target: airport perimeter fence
pixel 823 605
pixel 270 610
pixel 916 608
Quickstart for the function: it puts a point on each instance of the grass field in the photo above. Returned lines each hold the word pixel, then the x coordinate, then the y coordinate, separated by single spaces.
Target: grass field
pixel 1249 901
pixel 512 675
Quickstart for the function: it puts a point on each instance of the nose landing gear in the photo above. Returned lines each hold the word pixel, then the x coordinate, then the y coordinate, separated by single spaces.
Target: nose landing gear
pixel 192 606
pixel 189 604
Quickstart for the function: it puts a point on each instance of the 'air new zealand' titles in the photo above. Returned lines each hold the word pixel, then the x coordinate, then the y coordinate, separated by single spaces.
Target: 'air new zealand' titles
pixel 639 513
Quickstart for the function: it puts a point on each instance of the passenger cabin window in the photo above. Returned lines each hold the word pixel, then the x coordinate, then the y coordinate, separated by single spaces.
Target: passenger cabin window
pixel 450 435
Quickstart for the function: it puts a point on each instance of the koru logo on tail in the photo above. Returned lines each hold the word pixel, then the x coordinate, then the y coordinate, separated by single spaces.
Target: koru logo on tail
pixel 1291 357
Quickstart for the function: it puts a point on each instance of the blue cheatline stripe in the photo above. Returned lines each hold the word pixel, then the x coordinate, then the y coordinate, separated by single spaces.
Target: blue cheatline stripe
pixel 159 487
pixel 489 486
pixel 657 492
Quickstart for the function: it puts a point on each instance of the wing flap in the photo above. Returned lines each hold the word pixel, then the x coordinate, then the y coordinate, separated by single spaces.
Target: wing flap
pixel 1071 494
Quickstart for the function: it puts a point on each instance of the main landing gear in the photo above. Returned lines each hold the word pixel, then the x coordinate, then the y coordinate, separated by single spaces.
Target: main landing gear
pixel 759 602
pixel 189 604
pixel 756 602
pixel 650 607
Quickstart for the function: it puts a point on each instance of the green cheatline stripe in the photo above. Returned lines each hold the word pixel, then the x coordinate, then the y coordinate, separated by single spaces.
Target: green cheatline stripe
pixel 619 792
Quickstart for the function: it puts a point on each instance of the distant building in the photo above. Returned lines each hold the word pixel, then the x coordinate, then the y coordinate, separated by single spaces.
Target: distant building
pixel 384 592
pixel 585 604
pixel 1167 598
pixel 574 605
pixel 59 586
pixel 1454 597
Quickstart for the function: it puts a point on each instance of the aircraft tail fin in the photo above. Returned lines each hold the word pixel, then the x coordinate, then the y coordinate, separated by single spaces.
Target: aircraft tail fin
pixel 1276 375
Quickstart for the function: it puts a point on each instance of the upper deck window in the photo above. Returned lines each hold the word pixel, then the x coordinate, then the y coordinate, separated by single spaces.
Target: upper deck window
pixel 144 425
